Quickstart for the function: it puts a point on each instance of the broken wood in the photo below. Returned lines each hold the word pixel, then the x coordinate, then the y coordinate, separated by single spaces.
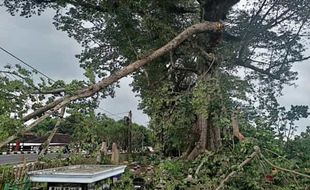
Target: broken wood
pixel 41 110
pixel 235 126
pixel 283 169
pixel 50 137
pixel 233 173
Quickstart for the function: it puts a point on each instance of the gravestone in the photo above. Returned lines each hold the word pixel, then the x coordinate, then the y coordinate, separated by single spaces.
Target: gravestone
pixel 104 148
pixel 115 154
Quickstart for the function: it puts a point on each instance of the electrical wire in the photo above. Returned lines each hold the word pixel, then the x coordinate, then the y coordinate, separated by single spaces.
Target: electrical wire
pixel 122 113
pixel 109 112
pixel 28 65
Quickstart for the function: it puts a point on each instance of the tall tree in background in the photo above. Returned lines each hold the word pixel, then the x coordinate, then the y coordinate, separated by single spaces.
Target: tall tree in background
pixel 194 92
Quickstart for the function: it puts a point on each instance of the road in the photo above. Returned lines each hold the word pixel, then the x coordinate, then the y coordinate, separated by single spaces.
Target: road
pixel 18 158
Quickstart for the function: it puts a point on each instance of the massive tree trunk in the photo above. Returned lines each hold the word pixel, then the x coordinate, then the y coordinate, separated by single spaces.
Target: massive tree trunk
pixel 200 146
pixel 210 135
pixel 209 139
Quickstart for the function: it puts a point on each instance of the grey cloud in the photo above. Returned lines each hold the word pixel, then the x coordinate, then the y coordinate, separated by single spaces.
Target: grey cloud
pixel 36 41
pixel 125 101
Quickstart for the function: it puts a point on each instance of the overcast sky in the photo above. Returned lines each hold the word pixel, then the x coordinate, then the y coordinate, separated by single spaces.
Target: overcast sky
pixel 36 41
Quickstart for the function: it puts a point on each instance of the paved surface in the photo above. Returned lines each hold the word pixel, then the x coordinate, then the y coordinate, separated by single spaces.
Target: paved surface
pixel 18 158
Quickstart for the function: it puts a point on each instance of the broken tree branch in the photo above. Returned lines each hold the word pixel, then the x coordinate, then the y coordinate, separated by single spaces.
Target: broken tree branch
pixel 233 173
pixel 235 125
pixel 42 110
pixel 283 169
pixel 91 90
pixel 50 137
pixel 203 161
pixel 51 91
pixel 257 69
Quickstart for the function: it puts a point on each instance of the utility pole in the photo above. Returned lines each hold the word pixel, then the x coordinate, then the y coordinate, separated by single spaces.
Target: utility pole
pixel 129 131
pixel 128 123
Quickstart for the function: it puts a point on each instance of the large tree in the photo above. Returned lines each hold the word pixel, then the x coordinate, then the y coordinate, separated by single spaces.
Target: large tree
pixel 195 91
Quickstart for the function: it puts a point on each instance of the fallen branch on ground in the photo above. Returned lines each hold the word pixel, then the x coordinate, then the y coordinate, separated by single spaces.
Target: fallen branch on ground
pixel 233 173
pixel 200 166
pixel 283 169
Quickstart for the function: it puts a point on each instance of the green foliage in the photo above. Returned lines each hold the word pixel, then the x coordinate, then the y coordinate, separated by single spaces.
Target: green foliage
pixel 256 175
pixel 201 98
pixel 8 126
pixel 171 168
pixel 89 131
pixel 25 185
pixel 45 127
pixel 126 182
pixel 20 94
pixel 74 86
pixel 298 150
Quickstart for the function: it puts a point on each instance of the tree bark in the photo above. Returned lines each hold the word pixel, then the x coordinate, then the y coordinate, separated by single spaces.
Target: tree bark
pixel 201 145
pixel 42 110
pixel 203 125
pixel 217 137
pixel 91 90
pixel 210 136
pixel 195 152
pixel 235 126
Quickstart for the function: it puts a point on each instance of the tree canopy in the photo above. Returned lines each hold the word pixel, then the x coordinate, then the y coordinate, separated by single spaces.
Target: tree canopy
pixel 208 72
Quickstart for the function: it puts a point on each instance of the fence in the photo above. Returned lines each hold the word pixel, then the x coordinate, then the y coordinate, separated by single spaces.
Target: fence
pixel 15 177
pixel 17 174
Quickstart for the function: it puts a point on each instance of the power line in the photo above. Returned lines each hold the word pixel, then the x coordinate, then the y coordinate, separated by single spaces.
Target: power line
pixel 110 112
pixel 11 54
pixel 114 114
pixel 121 113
